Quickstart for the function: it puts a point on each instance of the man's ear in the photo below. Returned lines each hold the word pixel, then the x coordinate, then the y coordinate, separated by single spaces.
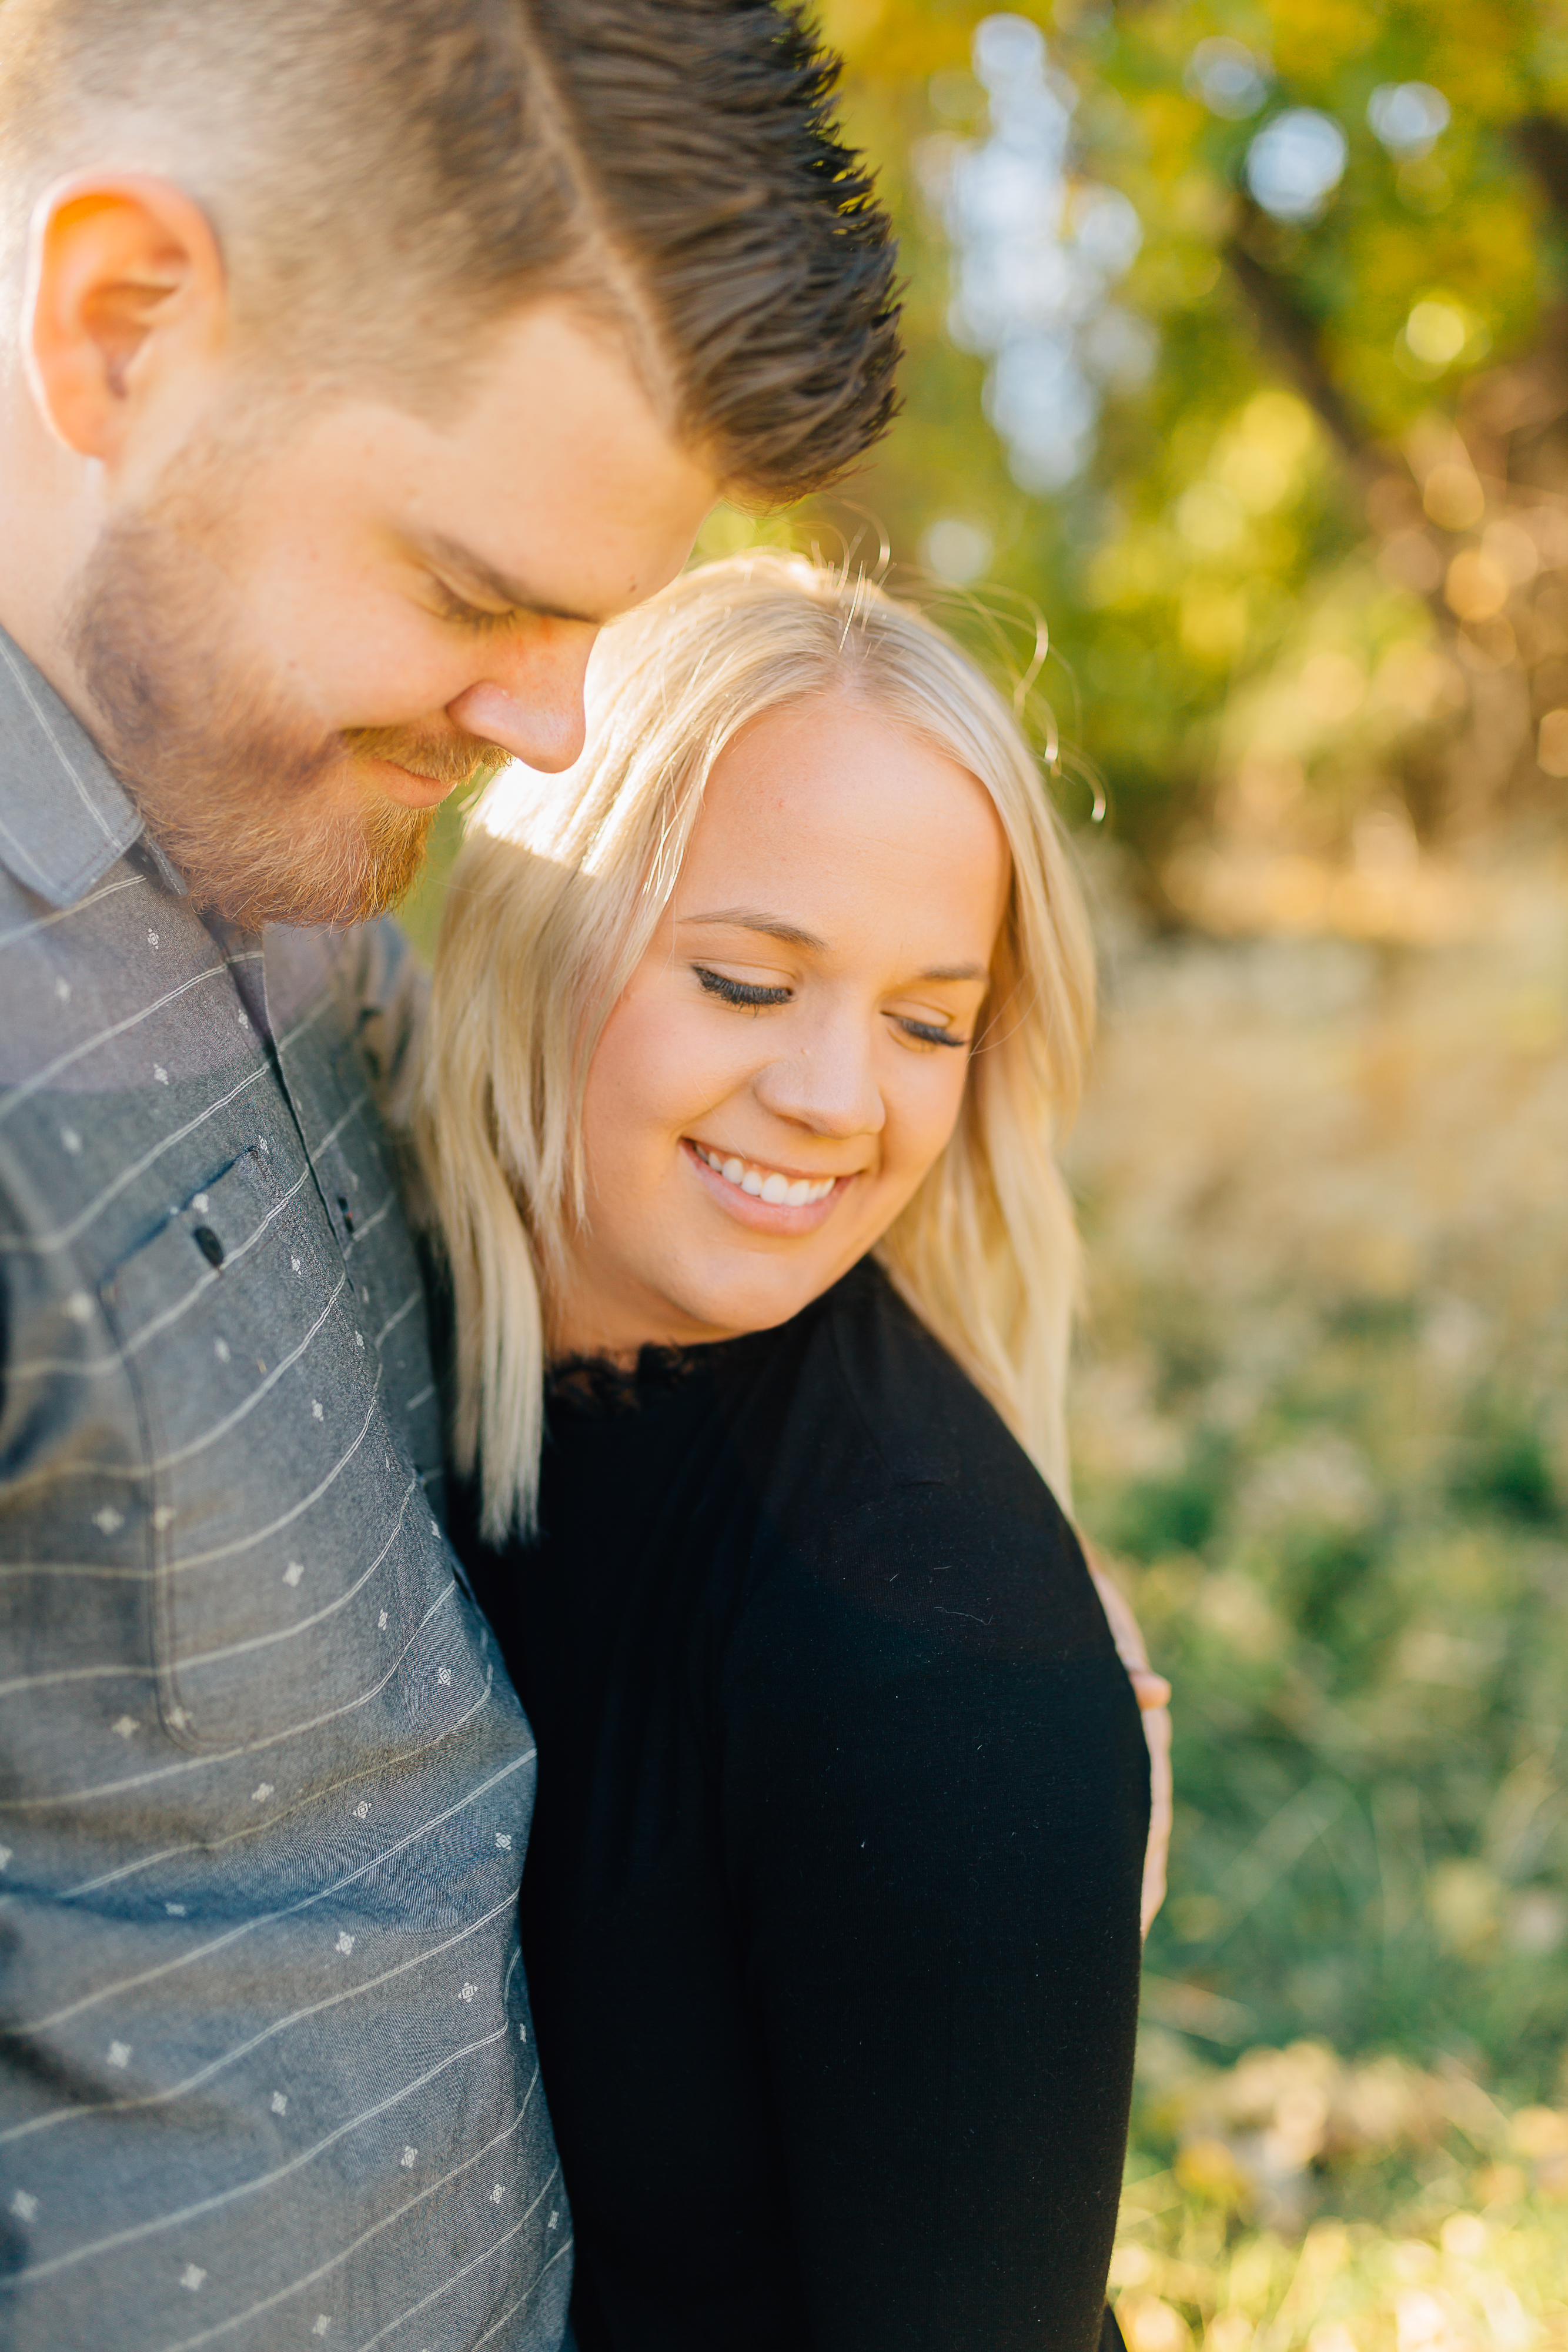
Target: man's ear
pixel 125 281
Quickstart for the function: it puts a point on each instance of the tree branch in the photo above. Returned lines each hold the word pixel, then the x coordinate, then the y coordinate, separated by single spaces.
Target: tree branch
pixel 1294 334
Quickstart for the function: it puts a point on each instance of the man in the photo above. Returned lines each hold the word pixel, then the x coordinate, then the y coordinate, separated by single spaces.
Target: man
pixel 360 358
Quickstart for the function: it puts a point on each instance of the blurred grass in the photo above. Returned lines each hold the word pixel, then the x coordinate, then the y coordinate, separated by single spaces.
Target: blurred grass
pixel 1322 1419
pixel 1447 2225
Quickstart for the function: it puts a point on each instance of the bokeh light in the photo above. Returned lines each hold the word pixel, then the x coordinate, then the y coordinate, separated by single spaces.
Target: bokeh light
pixel 1296 161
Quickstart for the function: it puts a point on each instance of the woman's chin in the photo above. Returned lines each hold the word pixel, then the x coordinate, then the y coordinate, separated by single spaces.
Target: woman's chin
pixel 732 1303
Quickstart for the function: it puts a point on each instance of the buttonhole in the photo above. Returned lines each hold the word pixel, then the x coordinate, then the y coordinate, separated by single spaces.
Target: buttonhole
pixel 347 1213
pixel 207 1242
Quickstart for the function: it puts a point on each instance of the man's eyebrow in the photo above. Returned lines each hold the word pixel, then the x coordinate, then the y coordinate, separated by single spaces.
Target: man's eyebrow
pixel 748 919
pixel 474 569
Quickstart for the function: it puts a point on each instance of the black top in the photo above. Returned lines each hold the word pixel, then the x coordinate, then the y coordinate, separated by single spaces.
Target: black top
pixel 830 1906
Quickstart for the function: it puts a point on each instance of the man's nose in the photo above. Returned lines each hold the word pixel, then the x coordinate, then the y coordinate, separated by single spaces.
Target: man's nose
pixel 530 699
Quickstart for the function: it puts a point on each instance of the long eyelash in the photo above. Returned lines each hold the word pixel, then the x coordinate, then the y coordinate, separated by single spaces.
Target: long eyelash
pixel 932 1036
pixel 738 992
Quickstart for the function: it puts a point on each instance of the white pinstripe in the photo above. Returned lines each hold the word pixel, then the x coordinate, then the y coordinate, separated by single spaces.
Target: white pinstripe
pixel 247 2188
pixel 311 2278
pixel 31 865
pixel 267 1918
pixel 366 1226
pixel 243 1543
pixel 64 914
pixel 513 2309
pixel 247 1405
pixel 319 1795
pixel 306 1021
pixel 121 1356
pixel 185 1665
pixel 13 1099
pixel 394 1319
pixel 24 689
pixel 76 1568
pixel 335 1130
pixel 247 1748
pixel 218 1551
pixel 82 2109
pixel 65 1236
pixel 474 2262
pixel 136 1471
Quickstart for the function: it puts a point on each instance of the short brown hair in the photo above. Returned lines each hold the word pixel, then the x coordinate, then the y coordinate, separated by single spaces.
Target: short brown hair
pixel 387 177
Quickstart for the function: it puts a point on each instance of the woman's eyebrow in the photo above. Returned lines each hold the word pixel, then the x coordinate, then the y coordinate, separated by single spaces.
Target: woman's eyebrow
pixel 772 927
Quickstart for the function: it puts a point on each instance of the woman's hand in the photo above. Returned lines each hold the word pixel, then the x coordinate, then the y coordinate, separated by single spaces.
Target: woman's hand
pixel 1154 1696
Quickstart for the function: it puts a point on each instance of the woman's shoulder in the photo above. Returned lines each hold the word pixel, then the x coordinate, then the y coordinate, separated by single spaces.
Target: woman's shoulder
pixel 924 1414
pixel 874 1389
pixel 894 1488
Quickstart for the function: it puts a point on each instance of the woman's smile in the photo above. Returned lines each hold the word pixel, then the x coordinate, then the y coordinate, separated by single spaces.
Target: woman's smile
pixel 773 1200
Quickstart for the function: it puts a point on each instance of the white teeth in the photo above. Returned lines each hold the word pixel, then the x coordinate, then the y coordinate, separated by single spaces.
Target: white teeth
pixel 768 1184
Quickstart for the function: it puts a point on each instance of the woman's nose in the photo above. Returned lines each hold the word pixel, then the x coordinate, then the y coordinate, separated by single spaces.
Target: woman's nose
pixel 829 1085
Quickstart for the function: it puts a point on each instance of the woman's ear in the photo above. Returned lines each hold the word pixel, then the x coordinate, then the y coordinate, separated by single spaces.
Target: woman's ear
pixel 125 293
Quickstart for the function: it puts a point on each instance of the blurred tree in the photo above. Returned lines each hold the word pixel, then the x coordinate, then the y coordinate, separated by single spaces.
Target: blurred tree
pixel 1238 347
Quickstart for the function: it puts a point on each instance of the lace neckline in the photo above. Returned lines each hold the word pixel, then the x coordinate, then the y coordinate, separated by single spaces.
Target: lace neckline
pixel 600 1382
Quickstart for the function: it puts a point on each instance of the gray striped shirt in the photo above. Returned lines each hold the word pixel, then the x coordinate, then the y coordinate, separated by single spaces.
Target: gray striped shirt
pixel 266 2073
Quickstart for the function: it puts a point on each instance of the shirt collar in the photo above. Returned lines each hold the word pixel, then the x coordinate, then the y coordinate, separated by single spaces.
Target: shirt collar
pixel 64 818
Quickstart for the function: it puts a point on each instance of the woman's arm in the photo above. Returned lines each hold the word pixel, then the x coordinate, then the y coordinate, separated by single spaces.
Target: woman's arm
pixel 1152 1694
pixel 935 1803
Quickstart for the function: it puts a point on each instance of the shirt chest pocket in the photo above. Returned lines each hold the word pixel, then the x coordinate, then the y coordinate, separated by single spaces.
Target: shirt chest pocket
pixel 294 1553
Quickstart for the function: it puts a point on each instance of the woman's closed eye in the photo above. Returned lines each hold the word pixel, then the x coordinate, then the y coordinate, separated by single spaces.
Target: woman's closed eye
pixel 753 994
pixel 739 992
pixel 926 1033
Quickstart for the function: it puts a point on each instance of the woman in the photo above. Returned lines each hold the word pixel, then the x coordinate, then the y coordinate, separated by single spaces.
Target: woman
pixel 746 1043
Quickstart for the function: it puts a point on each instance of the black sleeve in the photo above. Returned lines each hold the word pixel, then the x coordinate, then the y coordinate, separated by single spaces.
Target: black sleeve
pixel 936 1792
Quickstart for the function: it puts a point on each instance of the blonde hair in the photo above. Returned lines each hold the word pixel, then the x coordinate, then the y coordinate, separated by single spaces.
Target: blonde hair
pixel 555 896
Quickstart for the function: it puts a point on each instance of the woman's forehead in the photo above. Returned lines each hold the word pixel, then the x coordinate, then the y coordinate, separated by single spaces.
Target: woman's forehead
pixel 828 817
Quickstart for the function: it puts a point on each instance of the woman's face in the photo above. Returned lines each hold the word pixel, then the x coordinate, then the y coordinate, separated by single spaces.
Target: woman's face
pixel 789 1058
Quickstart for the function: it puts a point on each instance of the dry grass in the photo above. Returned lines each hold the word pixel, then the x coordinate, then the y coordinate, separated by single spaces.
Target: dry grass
pixel 1323 1414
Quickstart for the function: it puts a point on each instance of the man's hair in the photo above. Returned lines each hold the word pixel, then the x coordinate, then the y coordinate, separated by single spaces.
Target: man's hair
pixel 387 178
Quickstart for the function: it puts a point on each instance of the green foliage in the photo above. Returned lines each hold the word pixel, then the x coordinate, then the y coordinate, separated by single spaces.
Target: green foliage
pixel 1259 501
pixel 1503 1464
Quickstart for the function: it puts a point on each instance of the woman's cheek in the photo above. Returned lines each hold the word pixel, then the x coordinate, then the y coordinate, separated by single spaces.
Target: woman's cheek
pixel 929 1115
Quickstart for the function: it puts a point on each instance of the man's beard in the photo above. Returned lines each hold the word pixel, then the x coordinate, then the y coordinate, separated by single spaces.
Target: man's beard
pixel 261 812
